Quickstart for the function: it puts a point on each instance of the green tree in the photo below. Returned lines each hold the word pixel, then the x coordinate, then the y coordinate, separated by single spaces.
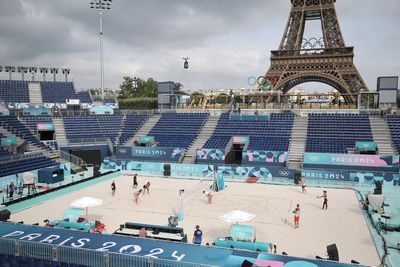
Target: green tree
pixel 128 88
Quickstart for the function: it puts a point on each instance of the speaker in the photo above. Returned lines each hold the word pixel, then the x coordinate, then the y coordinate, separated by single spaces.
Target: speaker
pixel 297 177
pixel 167 170
pixel 333 253
pixel 4 215
pixel 247 263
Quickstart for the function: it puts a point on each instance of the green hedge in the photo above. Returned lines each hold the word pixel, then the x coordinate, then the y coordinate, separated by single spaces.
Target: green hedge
pixel 138 103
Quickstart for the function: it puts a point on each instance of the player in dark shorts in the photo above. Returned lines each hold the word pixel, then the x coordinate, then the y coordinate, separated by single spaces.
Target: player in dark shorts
pixel 303 184
pixel 325 196
pixel 135 183
pixel 197 235
pixel 113 188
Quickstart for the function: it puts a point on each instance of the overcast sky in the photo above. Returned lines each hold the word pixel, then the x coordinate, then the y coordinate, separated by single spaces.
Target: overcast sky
pixel 227 40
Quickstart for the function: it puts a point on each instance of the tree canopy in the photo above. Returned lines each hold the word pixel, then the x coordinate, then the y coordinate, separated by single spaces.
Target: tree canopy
pixel 139 88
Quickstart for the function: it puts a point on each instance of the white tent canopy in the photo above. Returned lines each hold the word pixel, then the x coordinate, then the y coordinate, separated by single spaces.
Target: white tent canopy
pixel 236 216
pixel 86 202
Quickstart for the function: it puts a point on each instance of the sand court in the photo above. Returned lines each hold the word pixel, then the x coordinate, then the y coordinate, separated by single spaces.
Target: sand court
pixel 343 223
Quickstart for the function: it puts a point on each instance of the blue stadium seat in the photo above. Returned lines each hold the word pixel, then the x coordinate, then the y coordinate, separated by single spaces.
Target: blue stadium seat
pixel 393 122
pixel 336 133
pixel 14 91
pixel 178 129
pixel 272 135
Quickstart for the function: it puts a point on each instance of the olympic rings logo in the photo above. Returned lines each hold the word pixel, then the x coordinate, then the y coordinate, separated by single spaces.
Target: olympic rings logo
pixel 123 150
pixel 283 173
pixel 263 83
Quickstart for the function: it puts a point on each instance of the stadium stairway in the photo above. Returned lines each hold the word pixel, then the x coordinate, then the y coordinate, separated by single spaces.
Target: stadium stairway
pixel 35 93
pixel 120 130
pixel 144 130
pixel 298 142
pixel 61 137
pixel 381 135
pixel 204 135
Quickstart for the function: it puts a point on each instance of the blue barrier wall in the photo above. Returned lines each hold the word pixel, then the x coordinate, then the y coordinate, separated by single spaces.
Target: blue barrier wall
pixel 66 246
pixel 159 154
pixel 239 173
pixel 104 150
pixel 210 156
pixel 351 162
pixel 387 178
pixel 270 158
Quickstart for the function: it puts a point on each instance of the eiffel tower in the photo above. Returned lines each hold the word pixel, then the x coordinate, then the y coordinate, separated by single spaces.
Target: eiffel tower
pixel 327 60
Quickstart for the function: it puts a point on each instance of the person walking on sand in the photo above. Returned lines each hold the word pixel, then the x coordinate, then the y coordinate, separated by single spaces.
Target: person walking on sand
pixel 325 196
pixel 135 183
pixel 197 235
pixel 136 195
pixel 113 188
pixel 303 184
pixel 209 196
pixel 296 216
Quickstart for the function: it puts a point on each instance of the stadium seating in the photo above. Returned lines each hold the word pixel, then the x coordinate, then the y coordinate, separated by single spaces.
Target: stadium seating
pixel 18 128
pixel 272 135
pixel 393 122
pixel 110 125
pixel 14 91
pixel 131 126
pixel 335 133
pixel 24 165
pixel 57 92
pixel 178 129
pixel 84 97
pixel 32 121
pixel 82 128
pixel 87 128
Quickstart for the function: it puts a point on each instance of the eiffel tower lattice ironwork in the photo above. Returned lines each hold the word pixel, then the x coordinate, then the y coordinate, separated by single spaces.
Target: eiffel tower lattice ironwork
pixel 327 60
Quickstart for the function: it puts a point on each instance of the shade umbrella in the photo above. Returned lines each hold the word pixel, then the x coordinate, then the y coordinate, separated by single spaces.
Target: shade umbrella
pixel 86 202
pixel 236 216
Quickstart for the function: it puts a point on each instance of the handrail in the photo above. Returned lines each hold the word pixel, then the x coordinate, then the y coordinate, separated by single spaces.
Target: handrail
pixel 71 158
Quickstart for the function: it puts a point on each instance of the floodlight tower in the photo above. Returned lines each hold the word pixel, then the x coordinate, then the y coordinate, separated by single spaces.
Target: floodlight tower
pixel 100 6
pixel 66 73
pixel 44 71
pixel 10 70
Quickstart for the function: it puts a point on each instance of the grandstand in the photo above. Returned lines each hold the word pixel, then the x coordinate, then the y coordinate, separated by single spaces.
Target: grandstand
pixel 172 129
pixel 277 130
pixel 325 129
pixel 93 144
pixel 393 122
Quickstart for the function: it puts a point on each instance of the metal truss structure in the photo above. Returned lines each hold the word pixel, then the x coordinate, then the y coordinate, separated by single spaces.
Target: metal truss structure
pixel 327 60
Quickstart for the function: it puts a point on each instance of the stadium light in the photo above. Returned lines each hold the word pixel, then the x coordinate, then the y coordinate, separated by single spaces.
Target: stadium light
pixel 32 71
pixel 22 70
pixel 100 6
pixel 54 71
pixel 44 71
pixel 66 73
pixel 10 70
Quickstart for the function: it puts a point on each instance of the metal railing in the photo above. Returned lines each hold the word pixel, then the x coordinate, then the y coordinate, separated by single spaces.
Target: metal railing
pixel 71 158
pixel 86 257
